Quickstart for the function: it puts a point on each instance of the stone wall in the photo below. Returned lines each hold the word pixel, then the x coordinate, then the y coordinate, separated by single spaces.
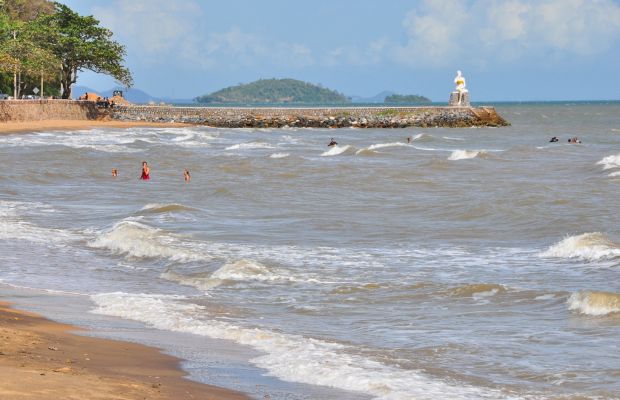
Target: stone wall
pixel 339 117
pixel 40 110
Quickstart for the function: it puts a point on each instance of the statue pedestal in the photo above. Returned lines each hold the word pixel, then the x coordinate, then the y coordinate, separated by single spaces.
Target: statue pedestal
pixel 454 99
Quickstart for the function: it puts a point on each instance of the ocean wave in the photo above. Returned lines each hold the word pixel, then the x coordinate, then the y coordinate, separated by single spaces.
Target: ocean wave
pixel 157 208
pixel 251 145
pixel 587 246
pixel 384 145
pixel 614 174
pixel 366 152
pixel 335 150
pixel 14 226
pixel 594 303
pixel 465 154
pixel 477 290
pixel 134 239
pixel 279 155
pixel 243 270
pixel 610 162
pixel 288 356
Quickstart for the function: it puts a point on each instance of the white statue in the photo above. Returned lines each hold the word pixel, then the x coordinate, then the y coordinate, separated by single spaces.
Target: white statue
pixel 460 85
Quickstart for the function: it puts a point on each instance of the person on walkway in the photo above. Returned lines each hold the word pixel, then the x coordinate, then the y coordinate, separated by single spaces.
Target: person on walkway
pixel 146 171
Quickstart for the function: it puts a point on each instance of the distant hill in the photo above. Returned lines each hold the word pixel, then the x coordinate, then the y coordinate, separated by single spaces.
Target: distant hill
pixel 275 91
pixel 378 98
pixel 406 99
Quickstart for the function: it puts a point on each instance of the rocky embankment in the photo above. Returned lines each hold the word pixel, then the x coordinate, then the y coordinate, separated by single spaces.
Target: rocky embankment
pixel 375 117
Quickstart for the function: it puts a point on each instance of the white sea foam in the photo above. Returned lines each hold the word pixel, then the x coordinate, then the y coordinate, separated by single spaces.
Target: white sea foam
pixel 465 154
pixel 164 208
pixel 14 226
pixel 384 145
pixel 610 162
pixel 134 239
pixel 248 146
pixel 279 155
pixel 594 303
pixel 454 138
pixel 335 150
pixel 244 270
pixel 614 174
pixel 287 356
pixel 587 246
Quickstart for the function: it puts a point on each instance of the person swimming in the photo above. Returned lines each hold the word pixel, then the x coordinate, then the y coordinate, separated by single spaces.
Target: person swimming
pixel 114 173
pixel 332 143
pixel 146 171
pixel 574 140
pixel 186 175
pixel 554 139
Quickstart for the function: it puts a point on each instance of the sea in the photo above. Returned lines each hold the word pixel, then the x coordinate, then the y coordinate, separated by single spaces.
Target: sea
pixel 475 263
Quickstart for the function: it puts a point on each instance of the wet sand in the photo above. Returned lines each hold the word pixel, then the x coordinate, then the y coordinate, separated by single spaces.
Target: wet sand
pixel 41 359
pixel 37 126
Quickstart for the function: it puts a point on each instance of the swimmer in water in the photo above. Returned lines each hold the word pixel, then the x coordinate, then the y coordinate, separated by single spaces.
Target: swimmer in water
pixel 332 143
pixel 574 140
pixel 114 173
pixel 186 175
pixel 146 171
pixel 408 139
pixel 554 139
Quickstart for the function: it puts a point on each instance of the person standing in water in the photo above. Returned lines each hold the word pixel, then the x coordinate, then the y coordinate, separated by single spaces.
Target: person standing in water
pixel 332 143
pixel 146 171
pixel 114 173
pixel 186 175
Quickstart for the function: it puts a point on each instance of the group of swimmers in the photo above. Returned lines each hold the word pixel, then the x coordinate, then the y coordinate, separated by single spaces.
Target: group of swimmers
pixel 146 173
pixel 573 140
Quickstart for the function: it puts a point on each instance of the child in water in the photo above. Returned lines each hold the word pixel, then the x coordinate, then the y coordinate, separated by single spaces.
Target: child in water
pixel 186 175
pixel 146 171
pixel 114 173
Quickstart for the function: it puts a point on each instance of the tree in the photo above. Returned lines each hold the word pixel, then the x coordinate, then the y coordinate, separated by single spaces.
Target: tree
pixel 26 10
pixel 80 44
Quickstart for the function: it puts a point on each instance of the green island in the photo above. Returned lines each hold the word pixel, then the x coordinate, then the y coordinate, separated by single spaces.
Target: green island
pixel 406 99
pixel 289 91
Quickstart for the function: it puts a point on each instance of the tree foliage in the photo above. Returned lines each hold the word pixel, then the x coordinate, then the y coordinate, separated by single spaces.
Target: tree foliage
pixel 406 99
pixel 45 39
pixel 81 44
pixel 275 91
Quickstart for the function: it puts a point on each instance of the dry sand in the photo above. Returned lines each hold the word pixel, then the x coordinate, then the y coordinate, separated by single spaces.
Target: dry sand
pixel 46 125
pixel 41 359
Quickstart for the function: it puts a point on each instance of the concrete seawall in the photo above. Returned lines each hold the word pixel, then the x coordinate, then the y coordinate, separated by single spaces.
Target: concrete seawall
pixel 42 110
pixel 362 117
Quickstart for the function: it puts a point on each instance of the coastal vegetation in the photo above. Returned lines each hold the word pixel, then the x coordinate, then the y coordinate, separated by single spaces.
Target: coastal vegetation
pixel 406 99
pixel 43 41
pixel 275 91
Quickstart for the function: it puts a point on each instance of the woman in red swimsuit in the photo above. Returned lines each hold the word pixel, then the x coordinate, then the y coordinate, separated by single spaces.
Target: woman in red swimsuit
pixel 145 171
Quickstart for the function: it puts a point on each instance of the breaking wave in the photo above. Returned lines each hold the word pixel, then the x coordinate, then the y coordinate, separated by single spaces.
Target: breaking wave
pixel 610 162
pixel 477 290
pixel 335 150
pixel 252 145
pixel 134 239
pixel 594 303
pixel 465 154
pixel 279 155
pixel 384 145
pixel 13 226
pixel 587 246
pixel 287 356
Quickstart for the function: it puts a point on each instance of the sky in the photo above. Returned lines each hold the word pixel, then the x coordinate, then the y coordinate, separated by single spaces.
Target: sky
pixel 512 50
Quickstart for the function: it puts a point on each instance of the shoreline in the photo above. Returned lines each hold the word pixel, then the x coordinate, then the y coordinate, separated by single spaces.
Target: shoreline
pixel 52 362
pixel 60 124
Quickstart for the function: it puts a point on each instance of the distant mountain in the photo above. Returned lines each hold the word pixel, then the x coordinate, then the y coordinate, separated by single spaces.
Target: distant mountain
pixel 406 99
pixel 275 91
pixel 132 95
pixel 378 98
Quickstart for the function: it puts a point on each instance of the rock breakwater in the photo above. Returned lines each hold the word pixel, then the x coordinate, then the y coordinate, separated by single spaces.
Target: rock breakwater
pixel 359 117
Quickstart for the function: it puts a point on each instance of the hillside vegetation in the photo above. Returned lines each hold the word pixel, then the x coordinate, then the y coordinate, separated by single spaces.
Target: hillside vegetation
pixel 406 99
pixel 275 91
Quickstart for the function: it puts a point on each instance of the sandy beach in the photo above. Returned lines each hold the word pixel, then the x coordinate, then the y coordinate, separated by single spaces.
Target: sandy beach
pixel 41 359
pixel 37 126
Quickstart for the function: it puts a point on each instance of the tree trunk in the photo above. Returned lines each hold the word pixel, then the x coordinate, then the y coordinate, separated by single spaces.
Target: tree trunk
pixel 68 78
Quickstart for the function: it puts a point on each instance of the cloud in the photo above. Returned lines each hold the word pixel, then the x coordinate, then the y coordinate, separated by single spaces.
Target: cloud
pixel 158 31
pixel 443 32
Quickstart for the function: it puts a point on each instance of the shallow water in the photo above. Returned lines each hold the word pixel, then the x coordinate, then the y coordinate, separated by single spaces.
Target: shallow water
pixel 471 263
